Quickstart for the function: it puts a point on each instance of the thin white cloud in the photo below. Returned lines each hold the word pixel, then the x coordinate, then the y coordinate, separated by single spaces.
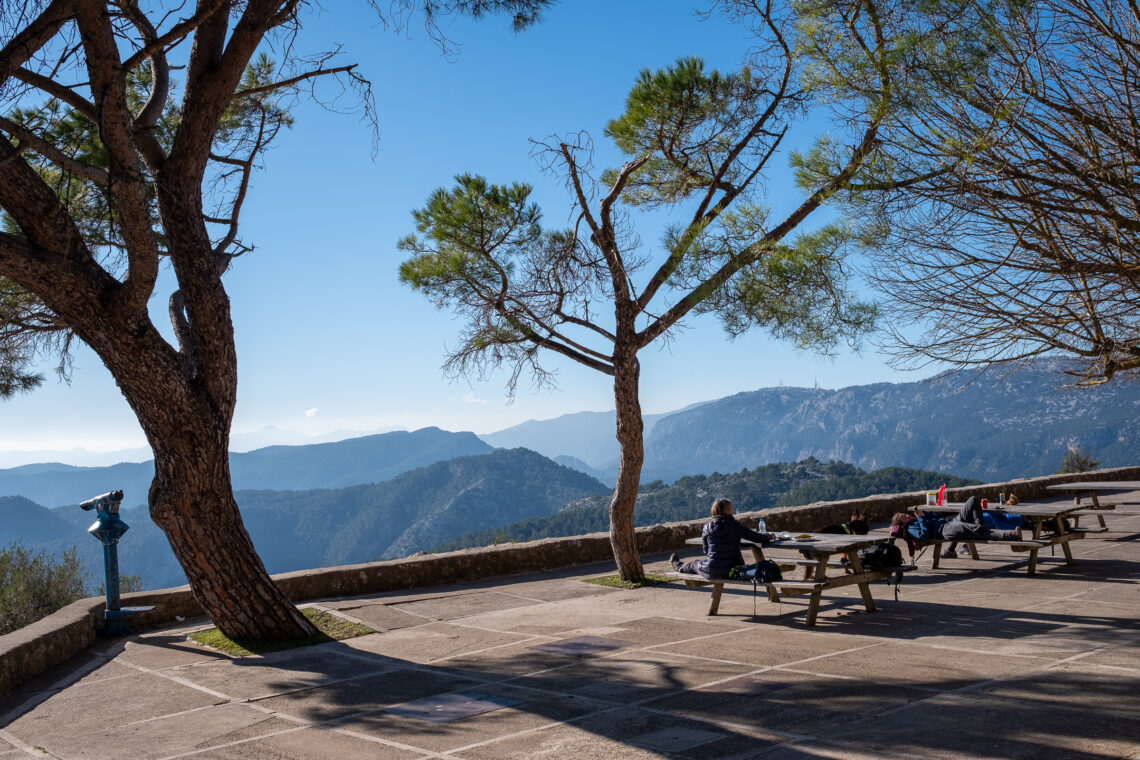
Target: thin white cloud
pixel 312 412
pixel 471 398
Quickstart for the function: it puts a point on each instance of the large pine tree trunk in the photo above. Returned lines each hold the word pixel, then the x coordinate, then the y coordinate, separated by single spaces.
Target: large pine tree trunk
pixel 630 429
pixel 187 419
pixel 191 499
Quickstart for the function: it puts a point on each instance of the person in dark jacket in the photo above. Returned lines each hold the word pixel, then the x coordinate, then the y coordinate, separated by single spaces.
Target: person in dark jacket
pixel 969 525
pixel 720 540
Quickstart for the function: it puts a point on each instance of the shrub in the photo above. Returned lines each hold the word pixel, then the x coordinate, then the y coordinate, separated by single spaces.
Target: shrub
pixel 1077 459
pixel 32 586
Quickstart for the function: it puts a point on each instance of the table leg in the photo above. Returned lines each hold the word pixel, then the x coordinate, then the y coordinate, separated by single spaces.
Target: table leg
pixel 714 603
pixel 937 554
pixel 813 606
pixel 973 549
pixel 1037 524
pixel 864 588
pixel 1064 544
pixel 1096 505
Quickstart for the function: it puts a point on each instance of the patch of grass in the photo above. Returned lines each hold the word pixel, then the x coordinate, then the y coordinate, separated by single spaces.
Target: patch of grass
pixel 329 628
pixel 614 581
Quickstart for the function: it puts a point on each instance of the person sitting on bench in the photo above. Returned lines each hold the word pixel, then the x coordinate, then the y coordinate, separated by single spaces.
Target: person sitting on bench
pixel 969 525
pixel 720 540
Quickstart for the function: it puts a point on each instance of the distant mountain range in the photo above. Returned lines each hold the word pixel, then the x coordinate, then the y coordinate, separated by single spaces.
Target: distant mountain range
pixel 1003 424
pixel 301 529
pixel 395 493
pixel 370 459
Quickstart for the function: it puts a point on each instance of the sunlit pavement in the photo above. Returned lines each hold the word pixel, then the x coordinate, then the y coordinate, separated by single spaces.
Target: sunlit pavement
pixel 973 660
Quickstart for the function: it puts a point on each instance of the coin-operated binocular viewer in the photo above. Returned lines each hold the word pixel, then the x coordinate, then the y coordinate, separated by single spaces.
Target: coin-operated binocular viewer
pixel 108 528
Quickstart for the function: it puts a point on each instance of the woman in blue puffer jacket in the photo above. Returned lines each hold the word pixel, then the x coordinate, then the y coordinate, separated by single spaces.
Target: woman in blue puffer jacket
pixel 720 539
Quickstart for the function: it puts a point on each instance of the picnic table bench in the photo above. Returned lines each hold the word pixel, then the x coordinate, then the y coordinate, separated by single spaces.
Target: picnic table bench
pixel 1094 487
pixel 822 547
pixel 1038 514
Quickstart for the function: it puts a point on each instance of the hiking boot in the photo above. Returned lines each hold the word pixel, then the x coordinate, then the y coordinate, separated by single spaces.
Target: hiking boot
pixel 948 554
pixel 964 550
pixel 675 561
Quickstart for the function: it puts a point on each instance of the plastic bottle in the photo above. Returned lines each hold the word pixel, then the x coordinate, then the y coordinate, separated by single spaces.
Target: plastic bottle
pixel 761 526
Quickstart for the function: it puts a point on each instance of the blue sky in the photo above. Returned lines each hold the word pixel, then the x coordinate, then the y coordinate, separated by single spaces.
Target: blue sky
pixel 327 337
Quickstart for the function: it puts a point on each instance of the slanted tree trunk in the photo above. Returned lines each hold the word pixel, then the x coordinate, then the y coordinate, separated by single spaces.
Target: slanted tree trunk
pixel 630 429
pixel 191 499
pixel 186 416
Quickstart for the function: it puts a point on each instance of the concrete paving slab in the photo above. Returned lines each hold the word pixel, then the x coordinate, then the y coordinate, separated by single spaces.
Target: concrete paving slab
pixel 534 709
pixel 546 590
pixel 919 667
pixel 433 642
pixel 163 736
pixel 958 726
pixel 337 701
pixel 95 663
pixel 662 630
pixel 447 708
pixel 308 744
pixel 84 708
pixel 676 739
pixel 767 645
pixel 554 618
pixel 462 605
pixel 506 662
pixel 634 677
pixel 1074 686
pixel 581 646
pixel 380 616
pixel 281 672
pixel 613 734
pixel 167 650
pixel 1123 656
pixel 1119 593
pixel 806 703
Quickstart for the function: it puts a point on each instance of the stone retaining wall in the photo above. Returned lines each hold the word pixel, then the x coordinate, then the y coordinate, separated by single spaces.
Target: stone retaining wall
pixel 34 649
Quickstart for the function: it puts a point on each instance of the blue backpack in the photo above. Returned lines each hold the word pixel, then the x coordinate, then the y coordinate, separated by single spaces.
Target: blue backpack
pixel 1004 521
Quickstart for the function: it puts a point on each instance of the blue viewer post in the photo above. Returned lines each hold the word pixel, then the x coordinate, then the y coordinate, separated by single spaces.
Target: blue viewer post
pixel 108 528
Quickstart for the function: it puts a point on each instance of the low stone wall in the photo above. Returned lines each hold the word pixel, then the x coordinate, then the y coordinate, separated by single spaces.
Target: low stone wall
pixel 31 651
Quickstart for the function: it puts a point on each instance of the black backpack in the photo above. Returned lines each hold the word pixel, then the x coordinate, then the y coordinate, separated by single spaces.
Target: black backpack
pixel 881 556
pixel 765 571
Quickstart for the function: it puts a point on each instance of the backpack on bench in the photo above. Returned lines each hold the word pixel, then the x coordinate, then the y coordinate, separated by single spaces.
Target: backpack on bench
pixel 758 572
pixel 881 556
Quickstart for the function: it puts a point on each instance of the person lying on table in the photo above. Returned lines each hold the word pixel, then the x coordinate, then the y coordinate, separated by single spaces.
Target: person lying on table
pixel 720 539
pixel 969 525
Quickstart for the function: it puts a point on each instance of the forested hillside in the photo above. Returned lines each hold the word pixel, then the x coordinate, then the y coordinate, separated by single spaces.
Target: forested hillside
pixel 689 498
pixel 1004 424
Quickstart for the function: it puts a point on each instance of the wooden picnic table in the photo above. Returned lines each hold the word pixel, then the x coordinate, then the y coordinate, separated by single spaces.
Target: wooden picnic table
pixel 821 549
pixel 1037 513
pixel 1092 487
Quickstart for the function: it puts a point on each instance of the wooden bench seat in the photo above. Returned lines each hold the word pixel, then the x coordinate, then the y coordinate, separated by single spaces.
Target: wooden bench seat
pixel 788 587
pixel 1032 545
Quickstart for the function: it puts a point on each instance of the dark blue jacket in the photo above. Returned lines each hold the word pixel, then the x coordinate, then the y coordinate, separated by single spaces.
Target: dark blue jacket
pixel 721 539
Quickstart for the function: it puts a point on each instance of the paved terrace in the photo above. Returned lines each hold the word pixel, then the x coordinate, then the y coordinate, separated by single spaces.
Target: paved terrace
pixel 974 660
